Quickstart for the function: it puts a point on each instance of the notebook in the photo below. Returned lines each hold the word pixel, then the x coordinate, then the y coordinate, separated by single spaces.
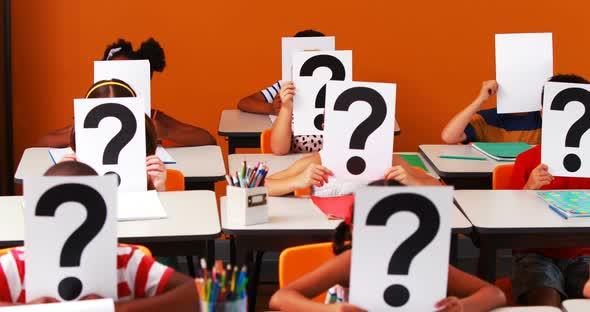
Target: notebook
pixel 140 206
pixel 414 161
pixel 337 207
pixel 568 204
pixel 57 154
pixel 502 151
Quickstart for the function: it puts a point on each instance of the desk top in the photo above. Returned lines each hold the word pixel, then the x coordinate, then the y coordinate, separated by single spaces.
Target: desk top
pixel 576 305
pixel 197 163
pixel 458 168
pixel 515 212
pixel 192 215
pixel 527 309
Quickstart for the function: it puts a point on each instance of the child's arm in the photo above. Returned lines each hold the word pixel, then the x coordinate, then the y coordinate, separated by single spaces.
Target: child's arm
pixel 173 130
pixel 180 294
pixel 280 138
pixel 476 295
pixel 454 132
pixel 586 291
pixel 58 138
pixel 297 295
pixel 304 173
pixel 405 174
pixel 538 178
pixel 256 103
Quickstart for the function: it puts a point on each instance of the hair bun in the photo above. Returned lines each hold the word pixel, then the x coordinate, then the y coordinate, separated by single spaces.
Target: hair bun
pixel 151 50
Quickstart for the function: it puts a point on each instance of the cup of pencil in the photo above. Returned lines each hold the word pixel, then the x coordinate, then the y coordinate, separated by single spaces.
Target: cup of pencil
pixel 247 195
pixel 223 289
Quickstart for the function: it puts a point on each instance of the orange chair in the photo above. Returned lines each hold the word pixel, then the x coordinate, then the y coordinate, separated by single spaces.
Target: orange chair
pixel 501 180
pixel 265 141
pixel 294 262
pixel 174 180
pixel 502 177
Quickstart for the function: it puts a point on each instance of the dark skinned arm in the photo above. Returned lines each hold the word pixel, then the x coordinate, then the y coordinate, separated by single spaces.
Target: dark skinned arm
pixel 176 131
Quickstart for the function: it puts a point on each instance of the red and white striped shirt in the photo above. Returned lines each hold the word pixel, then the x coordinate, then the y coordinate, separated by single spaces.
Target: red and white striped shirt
pixel 139 276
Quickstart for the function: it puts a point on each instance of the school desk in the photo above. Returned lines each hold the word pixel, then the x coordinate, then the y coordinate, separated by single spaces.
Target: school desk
pixel 243 129
pixel 527 309
pixel 292 222
pixel 461 173
pixel 517 219
pixel 202 166
pixel 576 305
pixel 191 226
pixel 279 163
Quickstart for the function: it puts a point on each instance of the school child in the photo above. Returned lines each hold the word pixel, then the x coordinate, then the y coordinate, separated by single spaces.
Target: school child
pixel 546 276
pixel 170 131
pixel 465 292
pixel 155 168
pixel 143 284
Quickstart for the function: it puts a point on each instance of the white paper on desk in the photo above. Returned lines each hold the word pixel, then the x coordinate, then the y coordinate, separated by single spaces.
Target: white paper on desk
pixel 387 217
pixel 55 209
pixel 297 44
pixel 99 305
pixel 341 148
pixel 57 154
pixel 163 154
pixel 311 72
pixel 564 144
pixel 92 143
pixel 135 73
pixel 140 206
pixel 524 62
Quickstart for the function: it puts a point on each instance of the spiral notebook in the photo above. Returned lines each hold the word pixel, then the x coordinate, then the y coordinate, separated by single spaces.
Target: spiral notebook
pixel 568 204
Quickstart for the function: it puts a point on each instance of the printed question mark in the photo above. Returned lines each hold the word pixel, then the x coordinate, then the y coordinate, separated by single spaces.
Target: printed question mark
pixel 338 73
pixel 356 165
pixel 111 152
pixel 572 162
pixel 96 212
pixel 399 263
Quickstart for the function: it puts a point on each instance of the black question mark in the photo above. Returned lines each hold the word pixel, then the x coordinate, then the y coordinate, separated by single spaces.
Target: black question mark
pixel 356 165
pixel 572 162
pixel 71 287
pixel 338 73
pixel 429 218
pixel 121 139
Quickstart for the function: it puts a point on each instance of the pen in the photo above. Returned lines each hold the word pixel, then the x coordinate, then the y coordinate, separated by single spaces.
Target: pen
pixel 228 179
pixel 462 157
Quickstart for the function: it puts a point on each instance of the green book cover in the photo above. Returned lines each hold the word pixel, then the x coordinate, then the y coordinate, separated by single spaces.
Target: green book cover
pixel 413 160
pixel 503 149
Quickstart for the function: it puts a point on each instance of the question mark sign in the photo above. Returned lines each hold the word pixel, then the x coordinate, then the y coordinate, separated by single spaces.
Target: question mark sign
pixel 121 139
pixel 356 165
pixel 96 212
pixel 338 73
pixel 399 263
pixel 572 162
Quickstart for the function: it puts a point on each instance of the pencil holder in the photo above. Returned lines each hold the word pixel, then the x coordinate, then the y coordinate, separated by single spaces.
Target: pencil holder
pixel 247 206
pixel 237 305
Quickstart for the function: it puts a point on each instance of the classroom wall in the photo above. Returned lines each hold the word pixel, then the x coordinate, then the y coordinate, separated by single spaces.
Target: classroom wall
pixel 438 52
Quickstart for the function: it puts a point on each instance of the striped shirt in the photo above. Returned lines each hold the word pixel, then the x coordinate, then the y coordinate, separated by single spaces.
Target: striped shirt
pixel 271 92
pixel 139 276
pixel 489 126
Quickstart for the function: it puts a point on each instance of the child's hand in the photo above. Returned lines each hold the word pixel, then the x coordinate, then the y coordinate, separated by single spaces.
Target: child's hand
pixel 399 174
pixel 449 304
pixel 69 157
pixel 286 95
pixel 586 291
pixel 315 175
pixel 488 88
pixel 345 307
pixel 538 178
pixel 156 171
pixel 276 105
pixel 43 300
pixel 91 297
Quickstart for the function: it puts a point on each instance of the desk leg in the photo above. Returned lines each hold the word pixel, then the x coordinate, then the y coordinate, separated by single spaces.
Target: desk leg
pixel 487 261
pixel 231 146
pixel 253 280
pixel 190 262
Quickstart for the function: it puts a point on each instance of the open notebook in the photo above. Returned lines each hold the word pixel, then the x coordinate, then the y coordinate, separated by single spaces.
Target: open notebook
pixel 57 154
pixel 502 151
pixel 568 204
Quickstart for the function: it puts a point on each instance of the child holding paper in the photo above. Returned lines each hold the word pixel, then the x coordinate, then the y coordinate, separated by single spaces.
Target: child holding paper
pixel 466 292
pixel 143 285
pixel 547 276
pixel 170 130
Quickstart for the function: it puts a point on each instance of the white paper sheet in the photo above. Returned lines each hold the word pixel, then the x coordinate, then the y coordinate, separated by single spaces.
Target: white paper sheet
pixel 140 206
pixel 91 143
pixel 298 44
pixel 55 207
pixel 57 154
pixel 99 305
pixel 311 72
pixel 272 118
pixel 557 124
pixel 376 241
pixel 163 154
pixel 340 126
pixel 135 73
pixel 524 62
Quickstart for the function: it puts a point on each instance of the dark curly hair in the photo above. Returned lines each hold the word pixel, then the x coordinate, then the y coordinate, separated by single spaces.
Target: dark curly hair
pixel 309 33
pixel 149 50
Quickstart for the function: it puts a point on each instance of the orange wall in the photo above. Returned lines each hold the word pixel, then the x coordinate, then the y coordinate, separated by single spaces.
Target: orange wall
pixel 218 51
